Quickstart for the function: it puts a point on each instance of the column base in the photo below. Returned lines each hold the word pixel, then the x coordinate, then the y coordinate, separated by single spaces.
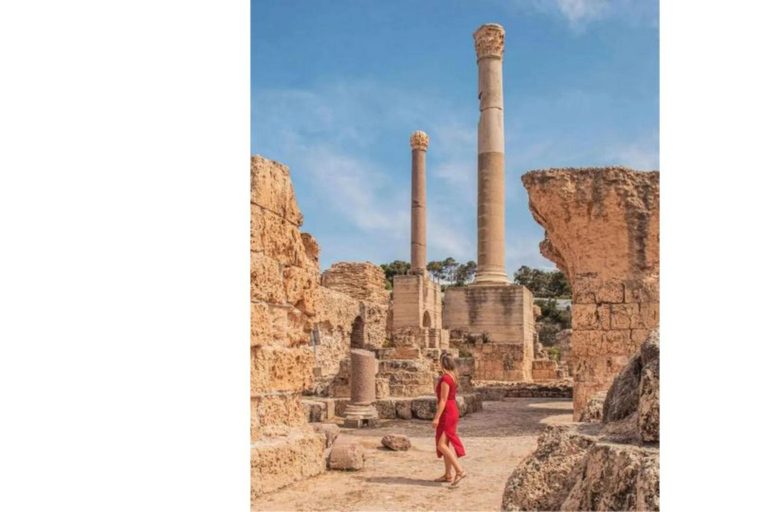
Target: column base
pixel 359 416
pixel 491 277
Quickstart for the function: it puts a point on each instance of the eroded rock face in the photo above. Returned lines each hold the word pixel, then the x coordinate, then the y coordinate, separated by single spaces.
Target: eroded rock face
pixel 621 399
pixel 599 466
pixel 545 478
pixel 363 281
pixel 602 231
pixel 616 477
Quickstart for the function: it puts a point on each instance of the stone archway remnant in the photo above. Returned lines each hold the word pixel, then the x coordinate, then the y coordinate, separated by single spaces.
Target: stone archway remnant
pixel 602 230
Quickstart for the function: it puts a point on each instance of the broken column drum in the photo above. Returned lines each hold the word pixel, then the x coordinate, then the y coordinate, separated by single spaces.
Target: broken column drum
pixel 360 412
pixel 419 143
pixel 489 47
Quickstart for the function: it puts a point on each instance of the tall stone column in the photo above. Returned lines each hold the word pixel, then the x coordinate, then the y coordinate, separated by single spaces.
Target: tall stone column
pixel 419 143
pixel 489 46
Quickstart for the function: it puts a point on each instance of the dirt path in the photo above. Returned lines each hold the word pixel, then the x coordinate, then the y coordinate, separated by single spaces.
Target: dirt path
pixel 496 439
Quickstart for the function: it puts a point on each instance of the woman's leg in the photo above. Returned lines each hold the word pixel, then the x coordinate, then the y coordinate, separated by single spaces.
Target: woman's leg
pixel 448 454
pixel 448 472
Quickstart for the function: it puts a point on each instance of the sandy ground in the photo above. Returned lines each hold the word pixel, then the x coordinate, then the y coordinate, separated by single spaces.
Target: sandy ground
pixel 496 440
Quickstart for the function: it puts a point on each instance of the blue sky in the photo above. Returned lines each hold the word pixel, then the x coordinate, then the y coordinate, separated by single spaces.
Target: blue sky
pixel 338 86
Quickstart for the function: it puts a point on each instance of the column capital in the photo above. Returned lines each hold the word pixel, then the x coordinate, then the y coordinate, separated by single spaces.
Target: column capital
pixel 419 140
pixel 489 41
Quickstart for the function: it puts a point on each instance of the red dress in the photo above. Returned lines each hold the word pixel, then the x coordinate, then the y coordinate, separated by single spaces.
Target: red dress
pixel 449 419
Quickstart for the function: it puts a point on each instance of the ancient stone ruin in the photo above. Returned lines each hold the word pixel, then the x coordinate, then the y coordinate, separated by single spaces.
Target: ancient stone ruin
pixel 602 232
pixel 284 283
pixel 339 347
pixel 608 465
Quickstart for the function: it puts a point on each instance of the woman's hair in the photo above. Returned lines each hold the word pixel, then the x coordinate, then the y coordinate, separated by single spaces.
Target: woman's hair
pixel 449 365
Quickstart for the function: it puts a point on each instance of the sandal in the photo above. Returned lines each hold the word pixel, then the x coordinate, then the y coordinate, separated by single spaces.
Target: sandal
pixel 444 478
pixel 459 477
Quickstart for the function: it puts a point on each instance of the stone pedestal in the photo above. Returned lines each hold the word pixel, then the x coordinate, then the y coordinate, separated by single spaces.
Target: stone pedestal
pixel 496 324
pixel 360 412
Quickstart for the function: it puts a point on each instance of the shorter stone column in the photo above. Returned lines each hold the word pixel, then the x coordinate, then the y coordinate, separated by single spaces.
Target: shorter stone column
pixel 361 412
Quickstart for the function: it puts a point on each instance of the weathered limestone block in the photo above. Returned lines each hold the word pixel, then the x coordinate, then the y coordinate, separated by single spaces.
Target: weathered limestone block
pixel 382 388
pixel 498 390
pixel 424 408
pixel 330 430
pixel 396 442
pixel 593 412
pixel 503 361
pixel 362 281
pixel 543 369
pixel 347 455
pixel 278 413
pixel 280 369
pixel 271 188
pixel 544 479
pixel 261 324
pixel 266 280
pixel 404 409
pixel 277 462
pixel 616 477
pixel 602 230
pixel 300 289
pixel 408 377
pixel 276 238
pixel 386 408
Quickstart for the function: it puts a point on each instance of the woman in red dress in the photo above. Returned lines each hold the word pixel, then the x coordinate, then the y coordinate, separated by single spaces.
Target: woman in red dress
pixel 445 422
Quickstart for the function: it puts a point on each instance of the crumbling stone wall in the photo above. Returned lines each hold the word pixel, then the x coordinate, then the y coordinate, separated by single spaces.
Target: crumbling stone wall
pixel 335 318
pixel 602 231
pixel 363 281
pixel 284 285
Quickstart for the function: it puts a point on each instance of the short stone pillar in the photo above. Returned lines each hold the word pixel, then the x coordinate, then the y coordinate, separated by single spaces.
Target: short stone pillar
pixel 361 412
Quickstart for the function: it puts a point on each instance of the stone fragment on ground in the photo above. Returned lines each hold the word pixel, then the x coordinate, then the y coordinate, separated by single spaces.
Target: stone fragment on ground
pixel 396 442
pixel 347 455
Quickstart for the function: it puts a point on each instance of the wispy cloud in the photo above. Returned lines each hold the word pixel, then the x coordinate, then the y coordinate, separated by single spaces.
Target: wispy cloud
pixel 580 14
pixel 641 155
pixel 332 135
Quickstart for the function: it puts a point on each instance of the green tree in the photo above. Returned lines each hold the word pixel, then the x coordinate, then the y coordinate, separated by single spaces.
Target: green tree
pixel 395 268
pixel 435 269
pixel 543 283
pixel 465 274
